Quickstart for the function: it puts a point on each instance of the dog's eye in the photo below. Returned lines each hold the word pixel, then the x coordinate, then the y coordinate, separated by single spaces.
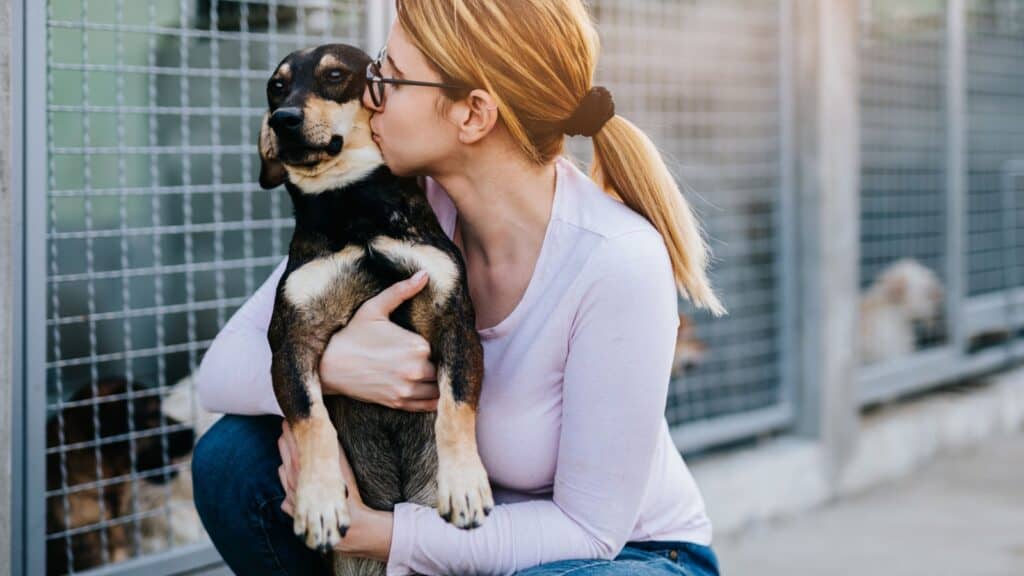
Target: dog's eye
pixel 276 87
pixel 334 75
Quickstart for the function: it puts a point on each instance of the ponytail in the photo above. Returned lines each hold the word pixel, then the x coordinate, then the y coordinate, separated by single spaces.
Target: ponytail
pixel 629 168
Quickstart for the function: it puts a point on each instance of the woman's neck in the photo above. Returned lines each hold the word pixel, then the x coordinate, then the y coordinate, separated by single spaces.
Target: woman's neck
pixel 503 208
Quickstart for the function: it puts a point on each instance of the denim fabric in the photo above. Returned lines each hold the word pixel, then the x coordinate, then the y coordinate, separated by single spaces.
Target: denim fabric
pixel 238 495
pixel 639 559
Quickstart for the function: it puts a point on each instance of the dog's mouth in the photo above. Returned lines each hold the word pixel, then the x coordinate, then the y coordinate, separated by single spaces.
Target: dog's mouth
pixel 304 155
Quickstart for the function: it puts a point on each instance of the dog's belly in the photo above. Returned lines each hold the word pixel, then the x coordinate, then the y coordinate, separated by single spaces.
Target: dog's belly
pixel 393 453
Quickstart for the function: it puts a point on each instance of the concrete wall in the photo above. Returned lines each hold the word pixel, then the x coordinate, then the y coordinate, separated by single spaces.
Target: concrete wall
pixel 6 284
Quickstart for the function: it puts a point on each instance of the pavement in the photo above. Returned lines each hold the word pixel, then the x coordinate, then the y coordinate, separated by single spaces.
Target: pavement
pixel 962 514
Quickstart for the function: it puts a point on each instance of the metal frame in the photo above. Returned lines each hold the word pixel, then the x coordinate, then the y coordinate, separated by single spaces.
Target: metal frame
pixel 34 335
pixel 17 239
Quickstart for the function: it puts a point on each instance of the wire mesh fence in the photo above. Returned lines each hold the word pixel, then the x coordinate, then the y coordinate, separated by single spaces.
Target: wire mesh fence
pixel 156 230
pixel 156 233
pixel 904 245
pixel 995 108
pixel 939 211
pixel 714 112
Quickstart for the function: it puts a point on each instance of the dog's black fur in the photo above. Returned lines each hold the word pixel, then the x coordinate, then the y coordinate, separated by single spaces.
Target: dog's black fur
pixel 350 242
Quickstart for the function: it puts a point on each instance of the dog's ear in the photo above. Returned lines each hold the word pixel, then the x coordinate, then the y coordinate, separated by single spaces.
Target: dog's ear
pixel 272 172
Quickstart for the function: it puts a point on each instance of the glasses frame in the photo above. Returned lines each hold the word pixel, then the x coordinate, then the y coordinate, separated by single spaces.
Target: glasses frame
pixel 376 81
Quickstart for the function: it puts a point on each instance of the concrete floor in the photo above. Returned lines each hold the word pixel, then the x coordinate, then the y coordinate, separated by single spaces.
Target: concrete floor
pixel 961 515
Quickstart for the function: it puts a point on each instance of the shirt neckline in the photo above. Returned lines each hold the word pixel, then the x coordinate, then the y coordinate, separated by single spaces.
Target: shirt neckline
pixel 506 324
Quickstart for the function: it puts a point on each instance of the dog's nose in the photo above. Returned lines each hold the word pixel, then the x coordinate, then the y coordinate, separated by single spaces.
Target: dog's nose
pixel 286 121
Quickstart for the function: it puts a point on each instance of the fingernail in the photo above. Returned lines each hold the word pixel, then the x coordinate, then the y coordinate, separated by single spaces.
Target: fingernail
pixel 419 275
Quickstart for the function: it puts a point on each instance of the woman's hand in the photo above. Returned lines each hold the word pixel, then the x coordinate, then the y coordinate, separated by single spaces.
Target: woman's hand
pixel 374 360
pixel 369 533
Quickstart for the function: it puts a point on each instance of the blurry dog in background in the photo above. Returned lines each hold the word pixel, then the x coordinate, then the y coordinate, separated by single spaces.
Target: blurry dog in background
pixel 179 524
pixel 904 294
pixel 91 486
pixel 689 350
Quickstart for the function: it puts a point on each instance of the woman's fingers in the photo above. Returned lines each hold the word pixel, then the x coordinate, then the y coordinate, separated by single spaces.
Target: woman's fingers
pixel 420 406
pixel 382 305
pixel 286 504
pixel 422 391
pixel 291 448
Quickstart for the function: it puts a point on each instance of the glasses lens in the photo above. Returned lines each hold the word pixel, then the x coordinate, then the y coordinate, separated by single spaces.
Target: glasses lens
pixel 376 86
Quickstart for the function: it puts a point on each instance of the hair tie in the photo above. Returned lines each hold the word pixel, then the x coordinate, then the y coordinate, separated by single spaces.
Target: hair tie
pixel 596 108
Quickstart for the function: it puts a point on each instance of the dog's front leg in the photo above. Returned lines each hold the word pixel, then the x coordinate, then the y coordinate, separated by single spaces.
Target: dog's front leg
pixel 321 513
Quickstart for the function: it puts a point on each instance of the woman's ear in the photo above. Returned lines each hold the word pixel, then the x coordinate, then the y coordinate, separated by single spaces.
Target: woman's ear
pixel 476 116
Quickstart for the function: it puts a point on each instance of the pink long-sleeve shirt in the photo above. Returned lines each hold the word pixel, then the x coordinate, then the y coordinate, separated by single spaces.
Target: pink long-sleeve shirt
pixel 571 425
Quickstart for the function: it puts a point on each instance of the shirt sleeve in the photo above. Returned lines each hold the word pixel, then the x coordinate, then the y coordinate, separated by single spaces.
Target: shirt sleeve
pixel 613 404
pixel 234 375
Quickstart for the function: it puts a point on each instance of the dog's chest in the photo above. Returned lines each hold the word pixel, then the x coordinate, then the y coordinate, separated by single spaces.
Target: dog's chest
pixel 333 286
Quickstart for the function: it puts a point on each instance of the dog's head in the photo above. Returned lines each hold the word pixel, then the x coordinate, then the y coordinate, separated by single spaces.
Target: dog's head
pixel 913 287
pixel 316 133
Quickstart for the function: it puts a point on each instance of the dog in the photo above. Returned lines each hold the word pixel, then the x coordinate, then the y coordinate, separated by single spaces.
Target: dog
pixel 178 524
pixel 96 476
pixel 904 294
pixel 690 351
pixel 358 229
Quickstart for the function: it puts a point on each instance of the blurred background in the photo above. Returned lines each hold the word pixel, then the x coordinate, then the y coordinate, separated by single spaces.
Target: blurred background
pixel 858 167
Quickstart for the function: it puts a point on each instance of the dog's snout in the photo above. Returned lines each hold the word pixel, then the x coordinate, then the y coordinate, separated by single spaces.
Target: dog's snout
pixel 286 121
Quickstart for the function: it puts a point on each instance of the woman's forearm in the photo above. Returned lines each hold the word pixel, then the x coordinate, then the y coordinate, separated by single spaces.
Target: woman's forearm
pixel 369 535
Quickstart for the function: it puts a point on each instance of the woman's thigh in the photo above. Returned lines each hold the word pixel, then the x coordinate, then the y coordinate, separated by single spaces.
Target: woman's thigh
pixel 238 495
pixel 678 559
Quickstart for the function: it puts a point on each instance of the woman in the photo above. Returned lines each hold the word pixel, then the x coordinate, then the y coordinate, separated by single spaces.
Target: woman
pixel 575 291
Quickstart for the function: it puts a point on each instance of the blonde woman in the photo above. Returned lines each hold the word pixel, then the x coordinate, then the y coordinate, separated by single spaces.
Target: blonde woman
pixel 574 280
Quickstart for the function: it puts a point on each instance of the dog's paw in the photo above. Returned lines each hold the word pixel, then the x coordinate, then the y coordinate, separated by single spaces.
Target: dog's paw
pixel 321 511
pixel 463 491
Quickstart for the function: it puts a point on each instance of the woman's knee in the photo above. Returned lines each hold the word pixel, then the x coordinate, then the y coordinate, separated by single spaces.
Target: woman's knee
pixel 235 464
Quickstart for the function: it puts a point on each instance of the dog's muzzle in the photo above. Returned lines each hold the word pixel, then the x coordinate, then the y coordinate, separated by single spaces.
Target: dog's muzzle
pixel 287 125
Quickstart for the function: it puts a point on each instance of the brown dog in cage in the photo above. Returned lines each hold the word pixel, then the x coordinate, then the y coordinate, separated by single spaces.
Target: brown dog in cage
pixel 97 445
pixel 359 229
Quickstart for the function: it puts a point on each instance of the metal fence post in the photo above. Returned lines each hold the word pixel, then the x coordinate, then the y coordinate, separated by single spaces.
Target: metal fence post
pixel 10 157
pixel 827 176
pixel 956 169
pixel 33 59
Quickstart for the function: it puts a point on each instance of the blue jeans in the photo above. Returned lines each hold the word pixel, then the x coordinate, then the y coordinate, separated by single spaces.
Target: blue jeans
pixel 238 496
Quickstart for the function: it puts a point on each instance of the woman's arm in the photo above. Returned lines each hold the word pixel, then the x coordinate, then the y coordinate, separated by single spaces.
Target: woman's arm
pixel 613 406
pixel 234 375
pixel 372 359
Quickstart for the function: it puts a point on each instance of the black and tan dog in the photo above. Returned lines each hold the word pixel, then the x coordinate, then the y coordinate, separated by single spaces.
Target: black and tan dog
pixel 359 229
pixel 95 447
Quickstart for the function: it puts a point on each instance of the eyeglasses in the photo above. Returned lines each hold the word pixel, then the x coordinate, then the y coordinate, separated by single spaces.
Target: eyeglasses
pixel 376 81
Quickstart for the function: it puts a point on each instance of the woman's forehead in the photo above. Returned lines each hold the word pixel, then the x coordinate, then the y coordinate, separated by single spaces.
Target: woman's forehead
pixel 402 52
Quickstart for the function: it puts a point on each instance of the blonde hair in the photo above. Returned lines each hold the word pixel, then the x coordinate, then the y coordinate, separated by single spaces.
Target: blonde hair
pixel 537 59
